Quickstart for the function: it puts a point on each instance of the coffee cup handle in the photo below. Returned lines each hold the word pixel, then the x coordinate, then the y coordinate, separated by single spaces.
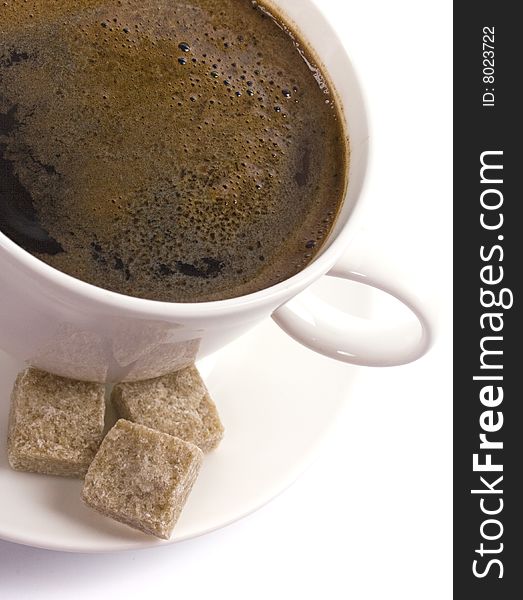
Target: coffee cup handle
pixel 329 331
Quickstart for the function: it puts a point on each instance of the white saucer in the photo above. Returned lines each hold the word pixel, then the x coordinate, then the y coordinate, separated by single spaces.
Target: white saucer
pixel 277 401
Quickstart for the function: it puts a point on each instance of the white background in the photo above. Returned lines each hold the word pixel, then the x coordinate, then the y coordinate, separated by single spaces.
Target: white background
pixel 371 519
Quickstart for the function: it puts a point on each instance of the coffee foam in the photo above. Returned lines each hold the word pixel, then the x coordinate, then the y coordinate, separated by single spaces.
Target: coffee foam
pixel 168 155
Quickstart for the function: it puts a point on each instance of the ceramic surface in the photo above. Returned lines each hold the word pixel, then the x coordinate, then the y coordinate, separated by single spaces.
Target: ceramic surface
pixel 73 329
pixel 277 400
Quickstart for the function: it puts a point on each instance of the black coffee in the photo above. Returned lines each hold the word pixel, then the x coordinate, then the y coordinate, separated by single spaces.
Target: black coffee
pixel 173 150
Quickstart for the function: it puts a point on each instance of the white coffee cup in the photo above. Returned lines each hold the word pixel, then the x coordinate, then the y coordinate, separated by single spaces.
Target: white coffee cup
pixel 57 323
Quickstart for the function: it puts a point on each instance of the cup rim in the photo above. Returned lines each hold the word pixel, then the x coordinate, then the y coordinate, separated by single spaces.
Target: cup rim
pixel 321 264
pixel 52 276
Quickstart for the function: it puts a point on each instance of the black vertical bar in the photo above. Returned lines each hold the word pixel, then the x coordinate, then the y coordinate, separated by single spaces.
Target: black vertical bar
pixel 488 243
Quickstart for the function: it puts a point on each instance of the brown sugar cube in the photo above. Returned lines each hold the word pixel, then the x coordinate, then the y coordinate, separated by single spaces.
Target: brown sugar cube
pixel 178 404
pixel 142 478
pixel 55 424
